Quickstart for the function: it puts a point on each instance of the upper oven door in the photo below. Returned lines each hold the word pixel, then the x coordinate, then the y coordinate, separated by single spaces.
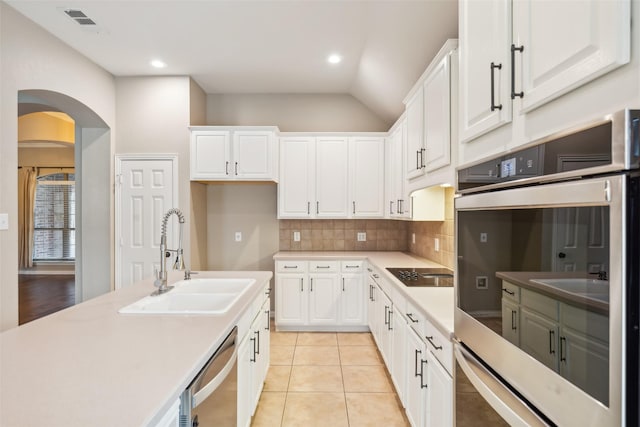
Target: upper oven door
pixel 539 293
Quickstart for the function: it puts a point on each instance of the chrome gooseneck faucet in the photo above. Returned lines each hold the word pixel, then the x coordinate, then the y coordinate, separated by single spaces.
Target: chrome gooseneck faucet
pixel 161 279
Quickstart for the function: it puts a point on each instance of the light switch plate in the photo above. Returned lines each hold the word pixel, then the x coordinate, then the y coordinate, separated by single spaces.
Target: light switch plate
pixel 483 237
pixel 296 236
pixel 4 221
pixel 362 237
pixel 238 236
pixel 436 244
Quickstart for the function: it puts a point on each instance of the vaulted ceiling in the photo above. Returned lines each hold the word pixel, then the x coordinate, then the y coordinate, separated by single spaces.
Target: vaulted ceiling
pixel 262 46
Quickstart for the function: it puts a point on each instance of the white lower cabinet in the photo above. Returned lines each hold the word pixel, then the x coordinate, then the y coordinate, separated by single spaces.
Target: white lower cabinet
pixel 399 354
pixel 253 363
pixel 416 388
pixel 439 411
pixel 320 295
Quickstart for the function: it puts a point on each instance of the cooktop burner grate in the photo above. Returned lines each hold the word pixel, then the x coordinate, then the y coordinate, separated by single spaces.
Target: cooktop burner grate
pixel 423 277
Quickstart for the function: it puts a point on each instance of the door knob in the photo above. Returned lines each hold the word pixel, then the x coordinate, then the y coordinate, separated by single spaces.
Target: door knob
pixel 562 255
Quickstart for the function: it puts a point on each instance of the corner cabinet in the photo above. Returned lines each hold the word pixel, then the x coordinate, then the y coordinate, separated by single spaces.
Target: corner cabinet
pixel 229 154
pixel 331 176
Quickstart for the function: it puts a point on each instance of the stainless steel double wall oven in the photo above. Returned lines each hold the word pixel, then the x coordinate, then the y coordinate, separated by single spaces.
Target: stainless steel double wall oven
pixel 547 278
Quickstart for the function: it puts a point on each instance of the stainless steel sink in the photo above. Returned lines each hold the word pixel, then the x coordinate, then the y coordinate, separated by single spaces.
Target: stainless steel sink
pixel 212 296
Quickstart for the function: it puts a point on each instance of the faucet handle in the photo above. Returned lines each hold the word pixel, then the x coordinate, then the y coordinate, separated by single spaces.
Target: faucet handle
pixel 188 273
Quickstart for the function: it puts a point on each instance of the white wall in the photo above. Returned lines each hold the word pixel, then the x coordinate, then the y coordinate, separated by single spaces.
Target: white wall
pixel 294 112
pixel 31 59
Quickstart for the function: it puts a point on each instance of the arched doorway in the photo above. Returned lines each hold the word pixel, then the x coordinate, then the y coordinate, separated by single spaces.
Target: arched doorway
pixel 93 189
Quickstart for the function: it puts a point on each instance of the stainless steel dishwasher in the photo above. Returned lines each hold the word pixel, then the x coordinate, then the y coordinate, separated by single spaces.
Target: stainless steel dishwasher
pixel 212 397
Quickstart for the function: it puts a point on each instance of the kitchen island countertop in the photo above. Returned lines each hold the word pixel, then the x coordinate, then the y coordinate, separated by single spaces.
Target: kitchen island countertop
pixel 88 365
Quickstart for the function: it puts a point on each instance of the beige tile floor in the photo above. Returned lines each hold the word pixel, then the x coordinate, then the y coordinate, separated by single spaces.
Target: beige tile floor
pixel 327 379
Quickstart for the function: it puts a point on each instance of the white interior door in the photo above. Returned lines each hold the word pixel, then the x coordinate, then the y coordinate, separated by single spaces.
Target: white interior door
pixel 146 189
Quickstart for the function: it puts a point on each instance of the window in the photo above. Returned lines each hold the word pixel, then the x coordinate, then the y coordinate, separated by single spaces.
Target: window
pixel 54 220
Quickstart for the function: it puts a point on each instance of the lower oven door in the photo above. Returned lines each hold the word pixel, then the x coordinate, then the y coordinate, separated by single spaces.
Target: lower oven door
pixel 212 397
pixel 541 291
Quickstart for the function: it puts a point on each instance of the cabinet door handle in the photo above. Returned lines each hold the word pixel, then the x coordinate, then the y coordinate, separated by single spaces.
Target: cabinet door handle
pixel 415 365
pixel 422 162
pixel 417 159
pixel 311 285
pixel 308 208
pixel 301 285
pixel 513 320
pixel 493 91
pixel 430 339
pixel 226 168
pixel 391 207
pixel 268 313
pixel 563 344
pixel 258 345
pixel 253 358
pixel 515 49
pixel 343 284
pixel 422 363
pixel 410 316
pixel 400 209
pixel 552 335
pixel 390 327
pixel 236 168
pixel 386 311
pixel 512 293
pixel 354 207
pixel 317 208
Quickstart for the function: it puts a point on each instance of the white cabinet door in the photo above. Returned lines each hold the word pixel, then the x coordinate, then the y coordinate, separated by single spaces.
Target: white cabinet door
pixel 414 153
pixel 352 302
pixel 539 337
pixel 415 401
pixel 567 43
pixel 439 408
pixel 399 355
pixel 485 39
pixel 297 177
pixel 210 155
pixel 324 297
pixel 253 154
pixel 366 177
pixel 332 160
pixel 385 312
pixel 245 353
pixel 437 116
pixel 372 312
pixel 511 321
pixel 395 198
pixel 291 299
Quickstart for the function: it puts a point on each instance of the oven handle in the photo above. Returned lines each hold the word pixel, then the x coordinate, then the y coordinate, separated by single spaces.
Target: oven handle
pixel 508 405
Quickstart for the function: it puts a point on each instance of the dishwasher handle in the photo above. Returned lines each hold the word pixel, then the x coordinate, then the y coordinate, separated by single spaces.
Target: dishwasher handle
pixel 201 392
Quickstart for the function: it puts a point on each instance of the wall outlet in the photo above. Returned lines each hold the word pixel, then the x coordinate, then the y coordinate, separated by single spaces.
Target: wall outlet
pixel 296 236
pixel 4 221
pixel 436 244
pixel 413 238
pixel 238 236
pixel 362 237
pixel 483 237
pixel 482 282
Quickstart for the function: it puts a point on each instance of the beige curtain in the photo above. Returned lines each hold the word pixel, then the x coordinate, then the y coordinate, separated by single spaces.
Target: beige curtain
pixel 26 199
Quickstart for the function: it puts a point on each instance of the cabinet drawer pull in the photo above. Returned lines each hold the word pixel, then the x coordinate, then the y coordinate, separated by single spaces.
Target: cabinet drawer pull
pixel 430 339
pixel 323 266
pixel 375 276
pixel 493 91
pixel 352 266
pixel 290 266
pixel 369 270
pixel 515 49
pixel 410 316
pixel 512 293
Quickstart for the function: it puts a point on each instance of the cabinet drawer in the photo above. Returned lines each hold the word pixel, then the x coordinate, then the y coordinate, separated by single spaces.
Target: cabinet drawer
pixel 323 266
pixel 296 266
pixel 352 266
pixel 540 303
pixel 510 291
pixel 440 346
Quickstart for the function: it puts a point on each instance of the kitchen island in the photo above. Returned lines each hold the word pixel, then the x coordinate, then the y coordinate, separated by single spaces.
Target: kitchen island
pixel 89 365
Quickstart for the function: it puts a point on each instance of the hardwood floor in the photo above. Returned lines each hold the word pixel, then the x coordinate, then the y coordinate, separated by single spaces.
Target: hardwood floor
pixel 40 295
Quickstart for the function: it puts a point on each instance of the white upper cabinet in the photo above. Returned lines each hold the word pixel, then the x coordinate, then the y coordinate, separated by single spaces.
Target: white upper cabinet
pixel 366 176
pixel 437 116
pixel 397 201
pixel 332 162
pixel 414 153
pixel 566 44
pixel 296 189
pixel 516 56
pixel 210 154
pixel 230 153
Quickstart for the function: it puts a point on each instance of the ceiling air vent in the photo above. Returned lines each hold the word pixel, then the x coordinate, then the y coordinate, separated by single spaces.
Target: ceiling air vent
pixel 79 17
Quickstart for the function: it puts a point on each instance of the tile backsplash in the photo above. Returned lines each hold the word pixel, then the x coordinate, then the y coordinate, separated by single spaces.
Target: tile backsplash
pixel 341 235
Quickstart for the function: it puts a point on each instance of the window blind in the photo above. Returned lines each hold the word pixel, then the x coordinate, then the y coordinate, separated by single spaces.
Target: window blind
pixel 54 218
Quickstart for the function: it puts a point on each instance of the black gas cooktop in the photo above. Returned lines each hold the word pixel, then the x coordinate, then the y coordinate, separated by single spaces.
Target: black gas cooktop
pixel 425 277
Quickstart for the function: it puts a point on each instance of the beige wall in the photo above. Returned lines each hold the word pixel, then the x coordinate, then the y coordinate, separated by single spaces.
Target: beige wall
pixel 55 157
pixel 294 112
pixel 31 59
pixel 197 256
pixel 249 208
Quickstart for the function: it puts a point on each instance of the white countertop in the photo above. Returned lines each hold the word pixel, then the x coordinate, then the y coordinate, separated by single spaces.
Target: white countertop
pixel 88 365
pixel 437 304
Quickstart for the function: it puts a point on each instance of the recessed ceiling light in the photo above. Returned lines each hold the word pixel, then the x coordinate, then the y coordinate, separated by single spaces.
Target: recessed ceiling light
pixel 156 63
pixel 334 58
